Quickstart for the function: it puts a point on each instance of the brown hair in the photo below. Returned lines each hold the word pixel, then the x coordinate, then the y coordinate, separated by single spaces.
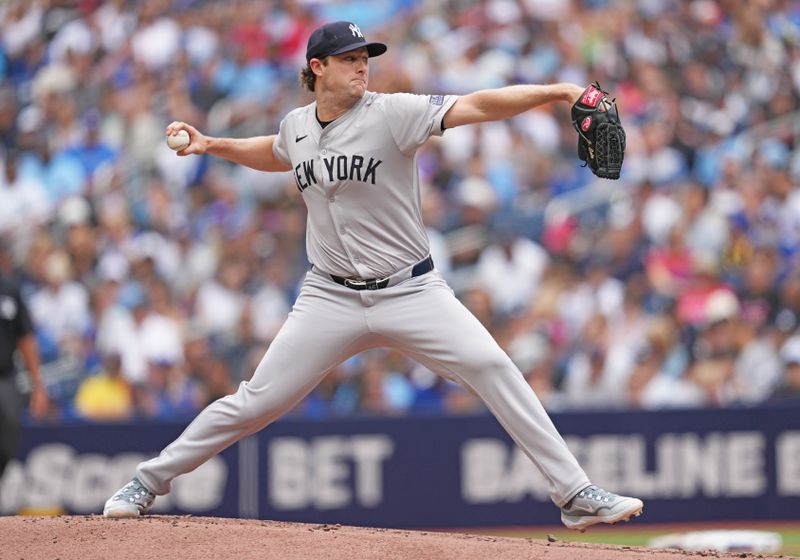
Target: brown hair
pixel 308 79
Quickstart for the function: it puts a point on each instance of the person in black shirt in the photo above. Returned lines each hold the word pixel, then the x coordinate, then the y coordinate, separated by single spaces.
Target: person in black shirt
pixel 16 333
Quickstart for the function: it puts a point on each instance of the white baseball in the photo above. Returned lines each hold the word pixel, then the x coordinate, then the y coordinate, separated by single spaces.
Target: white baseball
pixel 178 141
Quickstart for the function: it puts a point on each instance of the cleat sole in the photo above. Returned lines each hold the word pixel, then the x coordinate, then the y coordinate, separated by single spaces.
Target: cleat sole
pixel 610 520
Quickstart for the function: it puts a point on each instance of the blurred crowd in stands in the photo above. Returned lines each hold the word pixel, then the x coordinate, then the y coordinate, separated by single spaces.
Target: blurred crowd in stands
pixel 157 282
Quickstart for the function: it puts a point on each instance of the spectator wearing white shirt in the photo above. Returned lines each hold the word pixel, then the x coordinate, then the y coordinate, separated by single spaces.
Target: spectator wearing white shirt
pixel 510 269
pixel 757 370
pixel 156 41
pixel 25 203
pixel 140 335
pixel 221 301
pixel 60 308
pixel 596 373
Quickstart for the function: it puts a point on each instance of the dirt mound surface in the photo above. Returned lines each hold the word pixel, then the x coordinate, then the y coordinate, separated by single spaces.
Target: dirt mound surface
pixel 198 538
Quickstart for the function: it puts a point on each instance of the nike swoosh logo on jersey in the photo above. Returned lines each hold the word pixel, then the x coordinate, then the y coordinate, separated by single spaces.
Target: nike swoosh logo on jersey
pixel 298 138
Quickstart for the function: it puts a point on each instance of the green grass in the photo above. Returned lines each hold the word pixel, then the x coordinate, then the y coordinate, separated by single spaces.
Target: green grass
pixel 639 536
pixel 791 542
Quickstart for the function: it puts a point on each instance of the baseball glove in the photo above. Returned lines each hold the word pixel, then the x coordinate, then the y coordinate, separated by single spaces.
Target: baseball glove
pixel 601 138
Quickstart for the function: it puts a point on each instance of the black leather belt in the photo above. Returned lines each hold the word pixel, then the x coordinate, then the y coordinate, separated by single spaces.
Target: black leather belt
pixel 422 267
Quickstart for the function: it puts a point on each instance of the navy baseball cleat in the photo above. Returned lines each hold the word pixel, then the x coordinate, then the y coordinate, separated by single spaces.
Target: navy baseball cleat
pixel 593 505
pixel 132 500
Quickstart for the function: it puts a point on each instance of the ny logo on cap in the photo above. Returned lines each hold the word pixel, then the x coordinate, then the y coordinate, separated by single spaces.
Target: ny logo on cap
pixel 355 31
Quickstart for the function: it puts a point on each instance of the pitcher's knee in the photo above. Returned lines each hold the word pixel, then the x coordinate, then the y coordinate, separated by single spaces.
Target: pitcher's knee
pixel 492 365
pixel 252 406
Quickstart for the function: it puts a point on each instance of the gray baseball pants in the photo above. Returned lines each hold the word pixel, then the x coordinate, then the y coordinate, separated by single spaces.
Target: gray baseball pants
pixel 419 317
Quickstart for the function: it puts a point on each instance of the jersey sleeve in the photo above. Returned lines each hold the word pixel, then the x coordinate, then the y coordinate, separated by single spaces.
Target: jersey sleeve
pixel 412 119
pixel 279 145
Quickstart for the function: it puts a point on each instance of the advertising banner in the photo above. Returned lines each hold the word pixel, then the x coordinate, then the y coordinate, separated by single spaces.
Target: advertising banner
pixel 434 472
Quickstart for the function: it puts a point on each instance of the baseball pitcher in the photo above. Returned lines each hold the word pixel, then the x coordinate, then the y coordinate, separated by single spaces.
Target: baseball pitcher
pixel 372 281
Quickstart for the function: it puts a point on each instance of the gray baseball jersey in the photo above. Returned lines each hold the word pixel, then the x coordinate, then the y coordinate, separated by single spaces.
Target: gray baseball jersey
pixel 359 180
pixel 358 177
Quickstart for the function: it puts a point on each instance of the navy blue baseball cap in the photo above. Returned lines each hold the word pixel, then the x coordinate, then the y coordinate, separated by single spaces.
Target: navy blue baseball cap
pixel 339 37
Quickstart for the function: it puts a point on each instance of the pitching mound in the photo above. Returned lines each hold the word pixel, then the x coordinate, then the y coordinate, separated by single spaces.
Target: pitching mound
pixel 198 538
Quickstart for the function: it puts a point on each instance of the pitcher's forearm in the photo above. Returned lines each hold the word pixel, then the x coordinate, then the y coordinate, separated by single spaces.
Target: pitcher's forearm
pixel 502 103
pixel 255 152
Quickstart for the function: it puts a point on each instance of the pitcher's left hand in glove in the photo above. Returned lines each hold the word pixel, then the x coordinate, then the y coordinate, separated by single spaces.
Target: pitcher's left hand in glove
pixel 601 138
